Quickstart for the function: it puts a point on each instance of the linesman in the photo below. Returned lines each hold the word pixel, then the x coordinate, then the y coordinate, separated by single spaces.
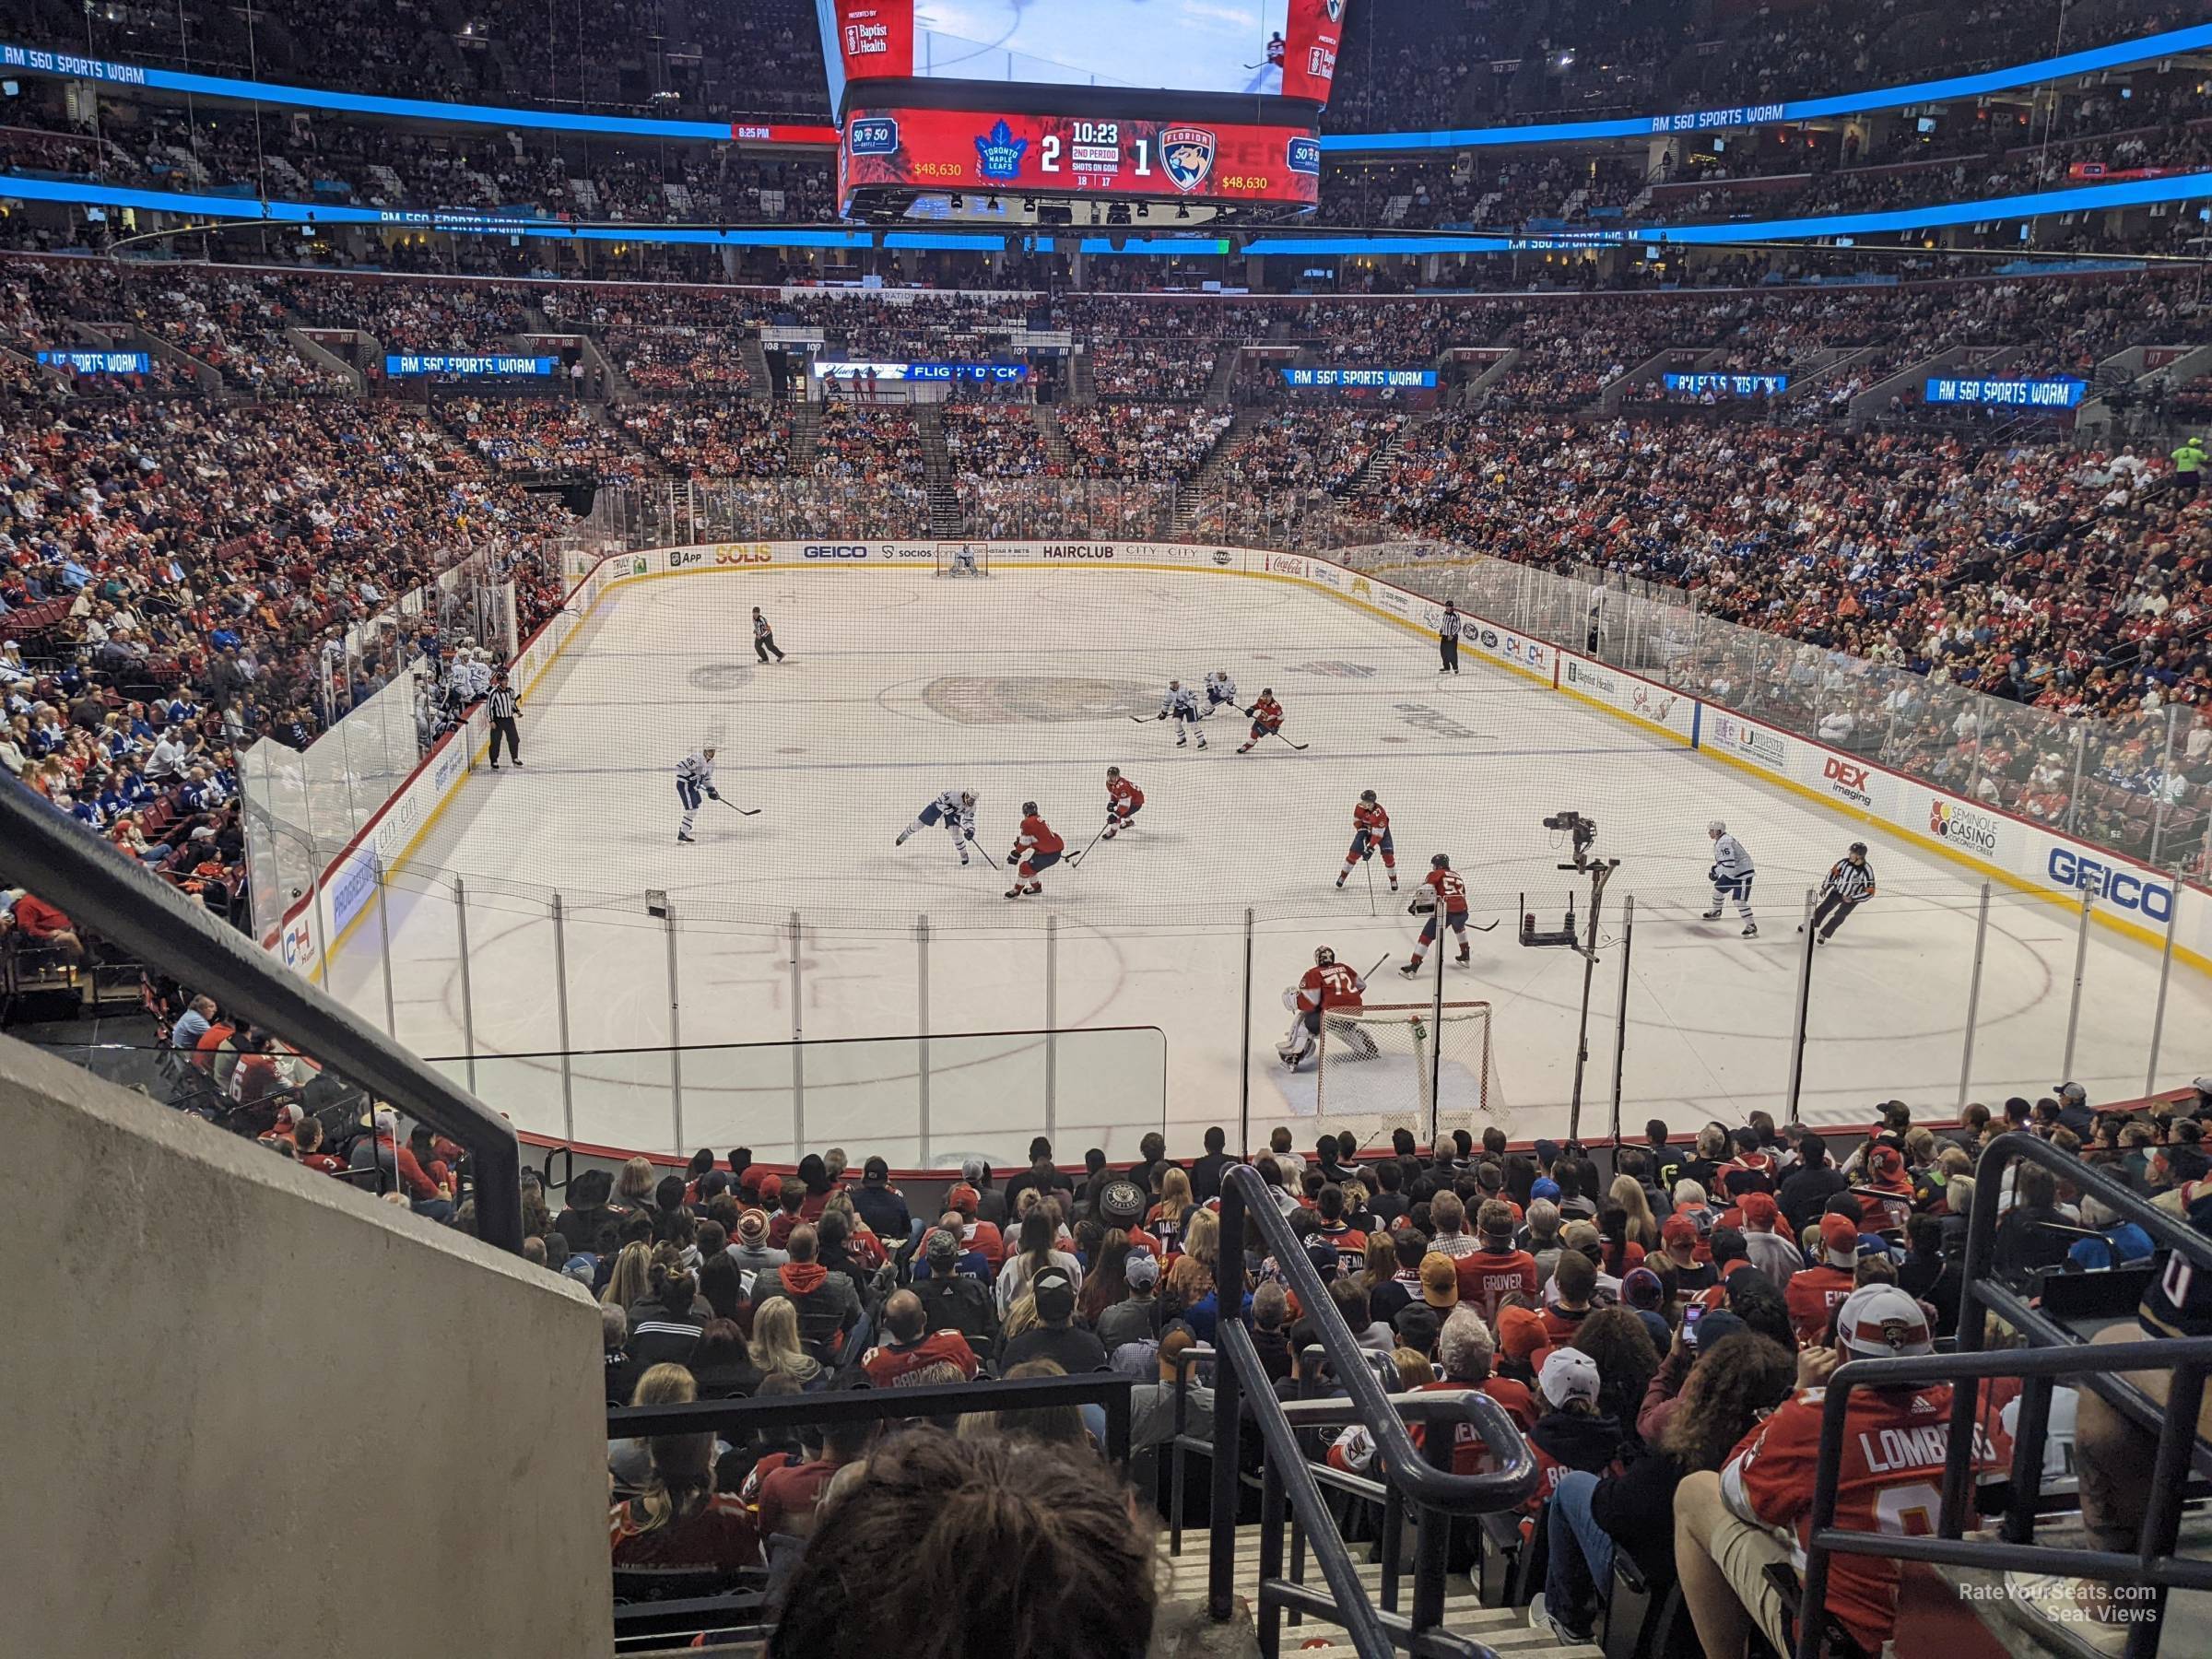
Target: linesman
pixel 1849 885
pixel 502 705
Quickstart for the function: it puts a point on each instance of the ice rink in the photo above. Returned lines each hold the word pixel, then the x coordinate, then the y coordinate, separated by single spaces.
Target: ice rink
pixel 1022 686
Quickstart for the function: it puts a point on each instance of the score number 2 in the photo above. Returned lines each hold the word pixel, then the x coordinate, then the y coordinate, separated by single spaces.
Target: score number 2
pixel 1048 156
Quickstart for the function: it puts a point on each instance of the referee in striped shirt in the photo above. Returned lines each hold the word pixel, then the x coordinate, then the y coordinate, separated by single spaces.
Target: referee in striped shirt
pixel 1849 885
pixel 502 705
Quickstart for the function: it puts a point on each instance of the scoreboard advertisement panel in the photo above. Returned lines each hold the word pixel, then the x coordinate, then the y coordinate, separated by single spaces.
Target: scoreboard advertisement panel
pixel 1253 48
pixel 990 152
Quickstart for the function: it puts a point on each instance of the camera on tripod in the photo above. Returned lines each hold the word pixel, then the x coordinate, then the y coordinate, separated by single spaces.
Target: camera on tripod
pixel 1580 831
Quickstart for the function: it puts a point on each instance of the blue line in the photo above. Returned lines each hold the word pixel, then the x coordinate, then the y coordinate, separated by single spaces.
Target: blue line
pixel 2140 50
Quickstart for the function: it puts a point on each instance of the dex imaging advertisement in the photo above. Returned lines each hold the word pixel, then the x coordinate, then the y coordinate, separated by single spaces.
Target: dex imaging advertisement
pixel 1255 48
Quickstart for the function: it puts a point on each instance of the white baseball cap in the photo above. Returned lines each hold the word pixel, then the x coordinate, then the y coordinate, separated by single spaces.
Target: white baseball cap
pixel 1881 1322
pixel 1569 1374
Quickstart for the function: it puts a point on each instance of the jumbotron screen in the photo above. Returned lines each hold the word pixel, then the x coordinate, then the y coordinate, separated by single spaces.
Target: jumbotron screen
pixel 994 153
pixel 1259 48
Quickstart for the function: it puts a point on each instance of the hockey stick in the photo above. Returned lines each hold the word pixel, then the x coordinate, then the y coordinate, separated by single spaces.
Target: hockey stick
pixel 1300 747
pixel 1076 858
pixel 741 811
pixel 1369 865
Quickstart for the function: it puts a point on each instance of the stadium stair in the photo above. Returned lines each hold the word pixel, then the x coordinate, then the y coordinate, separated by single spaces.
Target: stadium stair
pixel 1081 389
pixel 1504 1628
pixel 1056 441
pixel 805 428
pixel 1384 460
pixel 1225 374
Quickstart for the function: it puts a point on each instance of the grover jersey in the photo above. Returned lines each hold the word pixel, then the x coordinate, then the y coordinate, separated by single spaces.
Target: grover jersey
pixel 1330 987
pixel 1267 713
pixel 1370 815
pixel 1123 796
pixel 1889 1481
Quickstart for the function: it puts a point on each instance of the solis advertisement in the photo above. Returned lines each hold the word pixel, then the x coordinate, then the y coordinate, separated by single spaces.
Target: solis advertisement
pixel 994 153
pixel 1254 48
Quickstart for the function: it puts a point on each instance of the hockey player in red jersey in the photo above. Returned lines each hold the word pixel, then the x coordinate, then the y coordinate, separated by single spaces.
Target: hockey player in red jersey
pixel 1328 987
pixel 1125 800
pixel 1036 850
pixel 1447 900
pixel 1266 719
pixel 1370 834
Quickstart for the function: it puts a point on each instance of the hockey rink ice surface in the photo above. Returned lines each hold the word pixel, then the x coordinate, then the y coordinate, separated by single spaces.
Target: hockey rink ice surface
pixel 1021 686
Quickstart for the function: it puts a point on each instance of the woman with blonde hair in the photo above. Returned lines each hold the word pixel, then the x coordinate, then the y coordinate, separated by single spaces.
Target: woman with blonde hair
pixel 1643 1226
pixel 631 1280
pixel 775 1349
pixel 1170 1215
pixel 629 1461
pixel 633 1187
pixel 677 1521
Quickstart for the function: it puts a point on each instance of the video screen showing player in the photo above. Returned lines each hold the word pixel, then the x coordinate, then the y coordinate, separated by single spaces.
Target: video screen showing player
pixel 1222 46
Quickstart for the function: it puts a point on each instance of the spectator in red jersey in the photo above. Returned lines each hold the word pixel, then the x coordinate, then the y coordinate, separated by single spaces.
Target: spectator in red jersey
pixel 790 1496
pixel 1572 1282
pixel 953 1514
pixel 1724 1523
pixel 1498 1269
pixel 791 1198
pixel 679 1522
pixel 1680 1247
pixel 1818 1289
pixel 1348 1242
pixel 47 928
pixel 910 1345
pixel 980 1235
pixel 307 1148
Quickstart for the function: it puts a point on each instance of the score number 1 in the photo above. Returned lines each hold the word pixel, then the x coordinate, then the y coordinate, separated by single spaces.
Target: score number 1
pixel 1094 133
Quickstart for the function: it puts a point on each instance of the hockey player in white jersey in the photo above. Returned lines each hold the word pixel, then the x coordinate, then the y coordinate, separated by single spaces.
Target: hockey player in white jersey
pixel 1731 873
pixel 1181 705
pixel 956 810
pixel 1219 691
pixel 694 783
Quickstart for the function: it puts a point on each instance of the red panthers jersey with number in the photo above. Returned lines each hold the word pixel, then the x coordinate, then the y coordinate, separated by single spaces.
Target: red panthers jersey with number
pixel 1451 891
pixel 1889 1481
pixel 1267 713
pixel 1120 792
pixel 1037 837
pixel 1369 815
pixel 1334 986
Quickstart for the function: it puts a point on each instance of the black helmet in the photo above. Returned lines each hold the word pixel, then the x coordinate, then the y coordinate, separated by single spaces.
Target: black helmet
pixel 1113 771
pixel 1266 690
pixel 1323 957
pixel 1368 795
pixel 1858 849
pixel 1440 862
pixel 1029 809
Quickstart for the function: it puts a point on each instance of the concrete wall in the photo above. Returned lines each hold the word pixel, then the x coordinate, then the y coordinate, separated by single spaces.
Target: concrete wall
pixel 245 1411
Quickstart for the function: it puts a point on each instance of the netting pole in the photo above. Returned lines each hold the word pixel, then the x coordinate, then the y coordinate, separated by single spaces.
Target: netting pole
pixel 2158 821
pixel 468 1000
pixel 2158 1020
pixel 921 1041
pixel 1051 1029
pixel 1436 1028
pixel 798 1049
pixel 383 936
pixel 1973 1000
pixel 2081 963
pixel 1620 1015
pixel 1805 1002
pixel 561 1015
pixel 675 1037
pixel 1245 1063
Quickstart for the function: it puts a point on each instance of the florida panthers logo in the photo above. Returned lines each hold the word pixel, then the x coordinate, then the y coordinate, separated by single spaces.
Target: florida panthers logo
pixel 1336 10
pixel 1187 153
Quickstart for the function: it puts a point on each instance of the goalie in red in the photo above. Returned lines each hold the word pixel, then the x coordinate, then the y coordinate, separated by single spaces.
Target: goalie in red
pixel 1125 800
pixel 1328 987
pixel 1266 719
pixel 1036 850
pixel 1447 897
pixel 1370 834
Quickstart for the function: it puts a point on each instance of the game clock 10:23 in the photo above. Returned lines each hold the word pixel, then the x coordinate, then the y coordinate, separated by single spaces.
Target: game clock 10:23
pixel 950 149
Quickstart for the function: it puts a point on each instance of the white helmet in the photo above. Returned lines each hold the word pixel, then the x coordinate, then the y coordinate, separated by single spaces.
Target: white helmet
pixel 969 797
pixel 1716 828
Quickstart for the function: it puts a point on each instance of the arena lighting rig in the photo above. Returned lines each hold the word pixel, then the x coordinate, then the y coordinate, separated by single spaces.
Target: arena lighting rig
pixel 1044 108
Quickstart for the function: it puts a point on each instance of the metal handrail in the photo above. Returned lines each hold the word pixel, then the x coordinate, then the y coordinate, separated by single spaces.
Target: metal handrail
pixel 1287 1482
pixel 2156 1563
pixel 121 900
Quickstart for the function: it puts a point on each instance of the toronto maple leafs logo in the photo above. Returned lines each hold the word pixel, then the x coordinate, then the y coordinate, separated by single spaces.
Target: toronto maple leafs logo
pixel 1188 155
pixel 998 153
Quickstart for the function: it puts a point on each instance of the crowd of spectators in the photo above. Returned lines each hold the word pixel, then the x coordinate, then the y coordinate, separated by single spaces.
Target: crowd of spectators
pixel 528 434
pixel 1658 1333
pixel 712 438
pixel 1170 370
pixel 1142 440
pixel 997 440
pixel 855 441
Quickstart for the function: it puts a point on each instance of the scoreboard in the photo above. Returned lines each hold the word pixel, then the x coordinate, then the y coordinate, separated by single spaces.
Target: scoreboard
pixel 996 151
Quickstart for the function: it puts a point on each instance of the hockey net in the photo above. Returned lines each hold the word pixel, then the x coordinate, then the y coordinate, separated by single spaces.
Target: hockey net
pixel 1398 1065
pixel 963 558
